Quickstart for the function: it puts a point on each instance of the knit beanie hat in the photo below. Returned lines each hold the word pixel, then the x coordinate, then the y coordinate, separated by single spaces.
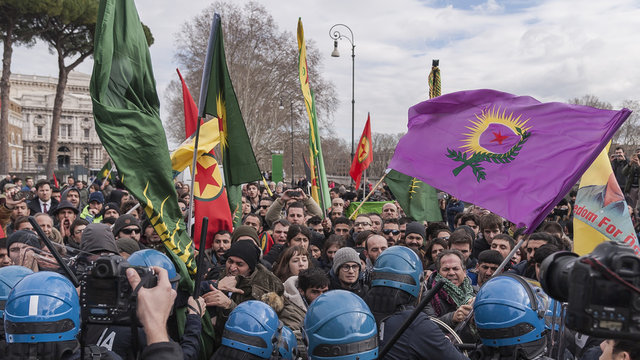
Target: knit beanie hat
pixel 127 245
pixel 124 221
pixel 415 228
pixel 245 250
pixel 244 230
pixel 96 196
pixel 111 206
pixel 317 239
pixel 25 237
pixel 344 255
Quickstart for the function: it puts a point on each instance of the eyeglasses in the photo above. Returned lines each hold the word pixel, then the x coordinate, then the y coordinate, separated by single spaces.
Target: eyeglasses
pixel 78 231
pixel 264 206
pixel 347 267
pixel 443 238
pixel 391 231
pixel 130 231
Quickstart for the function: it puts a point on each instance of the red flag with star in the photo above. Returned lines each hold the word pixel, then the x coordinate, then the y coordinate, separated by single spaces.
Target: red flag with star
pixel 210 199
pixel 209 196
pixel 364 154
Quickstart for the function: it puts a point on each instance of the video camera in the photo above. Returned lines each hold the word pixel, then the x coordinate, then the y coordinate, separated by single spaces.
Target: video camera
pixel 105 293
pixel 601 288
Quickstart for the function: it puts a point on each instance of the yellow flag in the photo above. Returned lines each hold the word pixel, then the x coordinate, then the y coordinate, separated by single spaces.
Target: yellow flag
pixel 600 212
pixel 183 155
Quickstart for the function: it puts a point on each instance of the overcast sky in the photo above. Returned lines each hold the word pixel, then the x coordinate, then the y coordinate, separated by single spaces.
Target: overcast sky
pixel 551 50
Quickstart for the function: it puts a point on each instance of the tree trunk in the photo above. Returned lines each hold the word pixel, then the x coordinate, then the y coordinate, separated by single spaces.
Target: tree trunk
pixel 4 101
pixel 63 73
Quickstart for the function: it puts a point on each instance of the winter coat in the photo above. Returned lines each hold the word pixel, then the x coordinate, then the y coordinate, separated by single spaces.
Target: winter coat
pixel 260 282
pixel 295 308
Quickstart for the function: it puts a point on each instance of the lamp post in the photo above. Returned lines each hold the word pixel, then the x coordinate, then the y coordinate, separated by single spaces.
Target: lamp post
pixel 281 107
pixel 336 35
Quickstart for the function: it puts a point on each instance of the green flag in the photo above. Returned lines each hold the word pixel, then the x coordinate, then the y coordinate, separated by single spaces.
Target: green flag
pixel 219 100
pixel 126 112
pixel 105 171
pixel 416 198
pixel 368 207
pixel 276 168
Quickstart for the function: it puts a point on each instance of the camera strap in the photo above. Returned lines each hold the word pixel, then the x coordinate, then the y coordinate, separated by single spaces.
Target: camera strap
pixel 135 343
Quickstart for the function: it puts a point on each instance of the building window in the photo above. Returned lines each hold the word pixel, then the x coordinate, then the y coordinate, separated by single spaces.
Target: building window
pixel 40 160
pixel 39 130
pixel 86 133
pixel 65 131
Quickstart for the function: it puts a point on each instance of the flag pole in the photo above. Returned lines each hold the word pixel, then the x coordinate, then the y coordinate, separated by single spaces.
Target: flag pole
pixel 201 101
pixel 320 187
pixel 355 212
pixel 190 208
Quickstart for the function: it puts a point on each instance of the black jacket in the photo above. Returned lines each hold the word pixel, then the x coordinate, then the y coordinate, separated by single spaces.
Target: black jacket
pixel 357 288
pixel 34 206
pixel 423 339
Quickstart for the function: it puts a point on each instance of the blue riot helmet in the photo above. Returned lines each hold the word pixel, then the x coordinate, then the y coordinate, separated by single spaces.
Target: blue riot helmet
pixel 398 267
pixel 252 327
pixel 151 257
pixel 287 344
pixel 339 325
pixel 9 277
pixel 509 312
pixel 42 307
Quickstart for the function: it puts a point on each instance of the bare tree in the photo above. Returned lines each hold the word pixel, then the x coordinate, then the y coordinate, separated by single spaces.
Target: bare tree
pixel 384 145
pixel 263 65
pixel 628 136
pixel 591 100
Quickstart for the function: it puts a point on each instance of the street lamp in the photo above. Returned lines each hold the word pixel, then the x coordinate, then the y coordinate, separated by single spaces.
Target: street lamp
pixel 336 35
pixel 281 107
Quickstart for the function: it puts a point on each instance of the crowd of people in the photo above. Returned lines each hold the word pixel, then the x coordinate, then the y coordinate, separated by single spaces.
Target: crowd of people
pixel 292 281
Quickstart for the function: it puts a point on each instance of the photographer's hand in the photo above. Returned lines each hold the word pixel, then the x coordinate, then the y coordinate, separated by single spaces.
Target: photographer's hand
pixel 154 305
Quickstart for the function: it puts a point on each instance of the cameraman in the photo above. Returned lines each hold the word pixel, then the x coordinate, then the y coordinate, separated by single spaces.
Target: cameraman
pixel 153 310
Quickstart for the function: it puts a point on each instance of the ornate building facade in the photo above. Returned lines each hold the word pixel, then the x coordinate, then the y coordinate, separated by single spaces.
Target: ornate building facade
pixel 79 148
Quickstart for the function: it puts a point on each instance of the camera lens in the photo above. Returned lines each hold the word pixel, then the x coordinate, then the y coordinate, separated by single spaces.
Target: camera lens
pixel 102 270
pixel 554 274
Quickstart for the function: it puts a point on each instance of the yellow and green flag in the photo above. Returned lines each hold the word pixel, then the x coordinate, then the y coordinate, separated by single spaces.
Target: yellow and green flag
pixel 126 112
pixel 105 171
pixel 319 185
pixel 219 100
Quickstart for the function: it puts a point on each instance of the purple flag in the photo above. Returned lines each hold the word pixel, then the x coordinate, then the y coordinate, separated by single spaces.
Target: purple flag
pixel 510 154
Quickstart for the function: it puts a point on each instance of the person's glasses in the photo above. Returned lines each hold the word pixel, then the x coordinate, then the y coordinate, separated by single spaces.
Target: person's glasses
pixel 391 231
pixel 347 267
pixel 130 231
pixel 264 206
pixel 443 238
pixel 78 231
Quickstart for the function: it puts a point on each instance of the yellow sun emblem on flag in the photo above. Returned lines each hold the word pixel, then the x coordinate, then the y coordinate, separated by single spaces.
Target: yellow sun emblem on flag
pixel 495 137
pixel 500 125
pixel 221 115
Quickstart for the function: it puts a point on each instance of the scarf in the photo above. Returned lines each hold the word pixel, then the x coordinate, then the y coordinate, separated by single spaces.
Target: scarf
pixel 451 294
